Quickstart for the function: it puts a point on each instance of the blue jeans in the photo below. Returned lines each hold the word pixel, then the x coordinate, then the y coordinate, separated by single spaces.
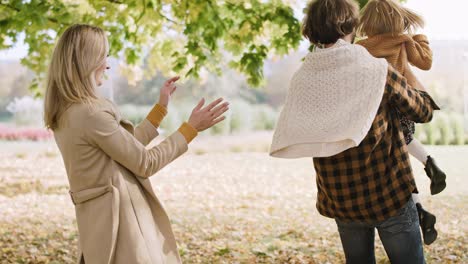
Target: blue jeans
pixel 399 234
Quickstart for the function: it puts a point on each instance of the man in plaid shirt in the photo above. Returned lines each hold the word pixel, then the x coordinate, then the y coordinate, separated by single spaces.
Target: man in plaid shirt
pixel 370 186
pixel 373 181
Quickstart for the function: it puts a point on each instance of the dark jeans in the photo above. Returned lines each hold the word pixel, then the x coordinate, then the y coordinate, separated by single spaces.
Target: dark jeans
pixel 399 234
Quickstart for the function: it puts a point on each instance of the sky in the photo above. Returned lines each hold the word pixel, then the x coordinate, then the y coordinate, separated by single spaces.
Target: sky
pixel 445 20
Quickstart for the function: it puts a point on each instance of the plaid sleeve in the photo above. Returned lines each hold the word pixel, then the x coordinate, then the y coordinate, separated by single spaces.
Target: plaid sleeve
pixel 416 105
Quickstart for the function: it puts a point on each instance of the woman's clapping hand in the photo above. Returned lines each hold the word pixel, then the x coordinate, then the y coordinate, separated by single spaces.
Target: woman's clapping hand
pixel 167 90
pixel 205 117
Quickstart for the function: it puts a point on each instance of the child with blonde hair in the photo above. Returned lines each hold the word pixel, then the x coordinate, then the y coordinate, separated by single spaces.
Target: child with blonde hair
pixel 388 27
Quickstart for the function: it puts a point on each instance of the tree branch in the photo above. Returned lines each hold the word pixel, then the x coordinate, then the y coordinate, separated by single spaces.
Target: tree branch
pixel 142 13
pixel 10 7
pixel 115 2
pixel 168 19
pixel 217 15
pixel 165 17
pixel 158 11
pixel 53 20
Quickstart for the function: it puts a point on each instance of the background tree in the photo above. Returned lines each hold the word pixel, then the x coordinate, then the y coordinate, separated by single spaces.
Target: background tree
pixel 169 36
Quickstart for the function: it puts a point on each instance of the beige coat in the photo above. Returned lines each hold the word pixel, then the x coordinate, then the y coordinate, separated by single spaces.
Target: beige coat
pixel 119 217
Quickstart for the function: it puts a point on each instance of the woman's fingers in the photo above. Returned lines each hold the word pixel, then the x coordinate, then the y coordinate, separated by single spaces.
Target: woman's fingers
pixel 172 80
pixel 218 113
pixel 202 119
pixel 172 88
pixel 216 121
pixel 219 107
pixel 213 104
pixel 169 84
pixel 200 104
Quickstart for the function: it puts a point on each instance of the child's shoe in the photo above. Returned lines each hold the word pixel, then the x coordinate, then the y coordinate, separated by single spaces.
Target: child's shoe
pixel 436 175
pixel 427 222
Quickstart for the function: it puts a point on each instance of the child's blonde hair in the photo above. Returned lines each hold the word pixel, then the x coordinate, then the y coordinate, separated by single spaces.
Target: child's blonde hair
pixel 387 16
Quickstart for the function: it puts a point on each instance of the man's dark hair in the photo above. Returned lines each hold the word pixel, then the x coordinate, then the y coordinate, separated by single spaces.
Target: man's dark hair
pixel 328 20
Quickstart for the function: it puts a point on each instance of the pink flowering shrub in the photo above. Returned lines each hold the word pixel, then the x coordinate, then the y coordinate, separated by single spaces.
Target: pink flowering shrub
pixel 24 133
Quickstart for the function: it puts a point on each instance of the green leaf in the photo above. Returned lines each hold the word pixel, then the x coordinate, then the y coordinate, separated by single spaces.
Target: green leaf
pixel 175 34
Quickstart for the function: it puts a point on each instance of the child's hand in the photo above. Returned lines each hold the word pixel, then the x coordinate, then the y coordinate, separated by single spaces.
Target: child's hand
pixel 167 90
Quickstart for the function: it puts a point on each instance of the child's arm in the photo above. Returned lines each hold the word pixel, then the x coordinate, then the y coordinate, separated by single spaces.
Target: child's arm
pixel 419 52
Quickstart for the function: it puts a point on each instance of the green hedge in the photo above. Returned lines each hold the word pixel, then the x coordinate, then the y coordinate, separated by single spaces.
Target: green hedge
pixel 445 129
pixel 242 116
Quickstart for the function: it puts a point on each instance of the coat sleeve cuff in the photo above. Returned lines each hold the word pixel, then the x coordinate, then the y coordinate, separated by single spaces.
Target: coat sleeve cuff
pixel 157 114
pixel 188 132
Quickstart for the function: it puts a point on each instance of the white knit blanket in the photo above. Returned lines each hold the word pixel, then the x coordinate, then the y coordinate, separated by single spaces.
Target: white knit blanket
pixel 331 103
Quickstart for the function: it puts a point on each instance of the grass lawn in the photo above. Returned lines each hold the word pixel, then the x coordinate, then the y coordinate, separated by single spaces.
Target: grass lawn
pixel 226 207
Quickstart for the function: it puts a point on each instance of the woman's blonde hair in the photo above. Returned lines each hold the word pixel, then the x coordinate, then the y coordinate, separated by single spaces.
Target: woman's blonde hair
pixel 387 16
pixel 80 51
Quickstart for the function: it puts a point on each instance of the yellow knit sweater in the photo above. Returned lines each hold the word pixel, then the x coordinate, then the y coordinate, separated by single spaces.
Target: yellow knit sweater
pixel 399 50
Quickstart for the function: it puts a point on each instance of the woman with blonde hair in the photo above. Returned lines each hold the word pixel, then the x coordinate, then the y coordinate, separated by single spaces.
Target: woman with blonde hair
pixel 119 217
pixel 388 26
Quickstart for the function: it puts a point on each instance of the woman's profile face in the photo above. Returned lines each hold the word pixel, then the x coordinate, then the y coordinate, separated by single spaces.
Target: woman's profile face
pixel 99 75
